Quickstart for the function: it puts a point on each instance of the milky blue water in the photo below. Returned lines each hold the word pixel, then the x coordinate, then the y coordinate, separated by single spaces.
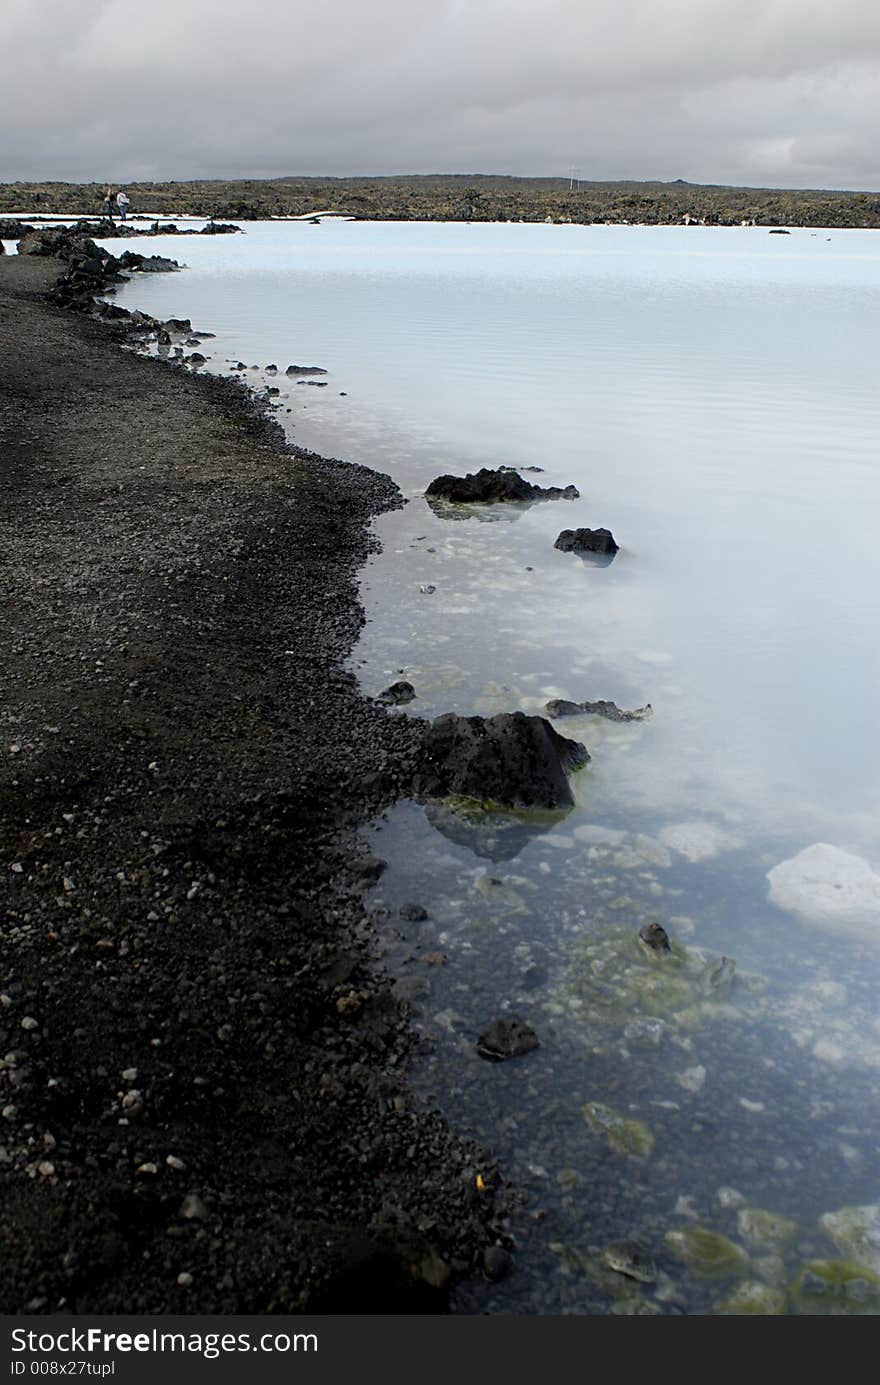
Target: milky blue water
pixel 713 395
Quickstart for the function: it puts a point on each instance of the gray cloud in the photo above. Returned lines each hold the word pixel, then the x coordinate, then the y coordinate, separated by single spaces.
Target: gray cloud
pixel 744 91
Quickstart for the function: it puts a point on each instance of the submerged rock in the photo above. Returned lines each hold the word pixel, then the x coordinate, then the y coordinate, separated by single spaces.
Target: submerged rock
pixel 560 707
pixel 497 1263
pixel 510 760
pixel 706 1253
pixel 835 1287
pixel 488 487
pixel 753 1297
pixel 856 1233
pixel 631 1259
pixel 305 370
pixel 586 541
pixel 620 979
pixel 625 1135
pixel 830 888
pixel 509 1037
pixel 765 1230
pixel 698 841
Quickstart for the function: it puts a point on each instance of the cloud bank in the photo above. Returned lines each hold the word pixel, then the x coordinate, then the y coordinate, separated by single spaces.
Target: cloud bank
pixel 772 92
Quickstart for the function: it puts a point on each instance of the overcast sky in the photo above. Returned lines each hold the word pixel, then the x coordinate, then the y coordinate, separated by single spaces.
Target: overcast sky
pixel 763 92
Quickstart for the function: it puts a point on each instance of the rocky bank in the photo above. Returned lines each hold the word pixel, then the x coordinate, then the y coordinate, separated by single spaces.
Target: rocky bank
pixel 201 1072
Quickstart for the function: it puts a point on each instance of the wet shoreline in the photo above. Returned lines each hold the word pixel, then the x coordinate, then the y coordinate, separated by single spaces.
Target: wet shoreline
pixel 203 1107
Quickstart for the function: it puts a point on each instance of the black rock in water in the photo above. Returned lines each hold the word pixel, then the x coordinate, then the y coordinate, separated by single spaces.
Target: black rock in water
pixel 497 1263
pixel 305 370
pixel 586 541
pixel 655 937
pixel 510 760
pixel 397 694
pixel 506 1038
pixel 486 487
pixel 413 913
pixel 560 707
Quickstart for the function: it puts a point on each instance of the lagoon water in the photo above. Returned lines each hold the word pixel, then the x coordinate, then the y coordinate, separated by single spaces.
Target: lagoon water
pixel 713 395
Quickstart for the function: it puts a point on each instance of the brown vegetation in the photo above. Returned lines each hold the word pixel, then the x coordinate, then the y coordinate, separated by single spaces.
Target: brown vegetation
pixel 456 197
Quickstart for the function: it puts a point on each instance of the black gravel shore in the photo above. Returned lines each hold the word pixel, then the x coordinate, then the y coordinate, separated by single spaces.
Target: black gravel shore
pixel 201 1073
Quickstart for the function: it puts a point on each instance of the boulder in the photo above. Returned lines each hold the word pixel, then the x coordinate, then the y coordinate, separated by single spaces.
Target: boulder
pixel 156 264
pixel 305 370
pixel 510 760
pixel 655 937
pixel 560 707
pixel 397 694
pixel 509 1037
pixel 829 888
pixel 488 487
pixel 586 541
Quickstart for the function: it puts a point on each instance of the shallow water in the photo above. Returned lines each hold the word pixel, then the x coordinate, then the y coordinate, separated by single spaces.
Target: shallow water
pixel 712 395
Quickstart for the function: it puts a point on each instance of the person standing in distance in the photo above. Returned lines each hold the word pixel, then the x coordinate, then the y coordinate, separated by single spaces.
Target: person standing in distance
pixel 108 203
pixel 122 204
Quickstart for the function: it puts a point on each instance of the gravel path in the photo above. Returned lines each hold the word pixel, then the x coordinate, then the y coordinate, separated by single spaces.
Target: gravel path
pixel 201 1102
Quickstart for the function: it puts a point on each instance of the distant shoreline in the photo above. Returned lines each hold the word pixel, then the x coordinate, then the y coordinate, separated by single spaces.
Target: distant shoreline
pixel 460 197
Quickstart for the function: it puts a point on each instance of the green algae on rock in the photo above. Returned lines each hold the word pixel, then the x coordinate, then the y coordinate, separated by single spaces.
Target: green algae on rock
pixel 753 1298
pixel 706 1253
pixel 620 979
pixel 856 1233
pixel 630 1259
pixel 765 1230
pixel 836 1287
pixel 625 1134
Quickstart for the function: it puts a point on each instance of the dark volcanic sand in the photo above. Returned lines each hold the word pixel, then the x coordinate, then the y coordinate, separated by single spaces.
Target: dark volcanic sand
pixel 183 761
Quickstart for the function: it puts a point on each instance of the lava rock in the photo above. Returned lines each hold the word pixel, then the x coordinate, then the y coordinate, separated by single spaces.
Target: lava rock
pixel 586 541
pixel 497 1263
pixel 505 1038
pixel 397 694
pixel 655 937
pixel 305 370
pixel 487 487
pixel 511 760
pixel 560 707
